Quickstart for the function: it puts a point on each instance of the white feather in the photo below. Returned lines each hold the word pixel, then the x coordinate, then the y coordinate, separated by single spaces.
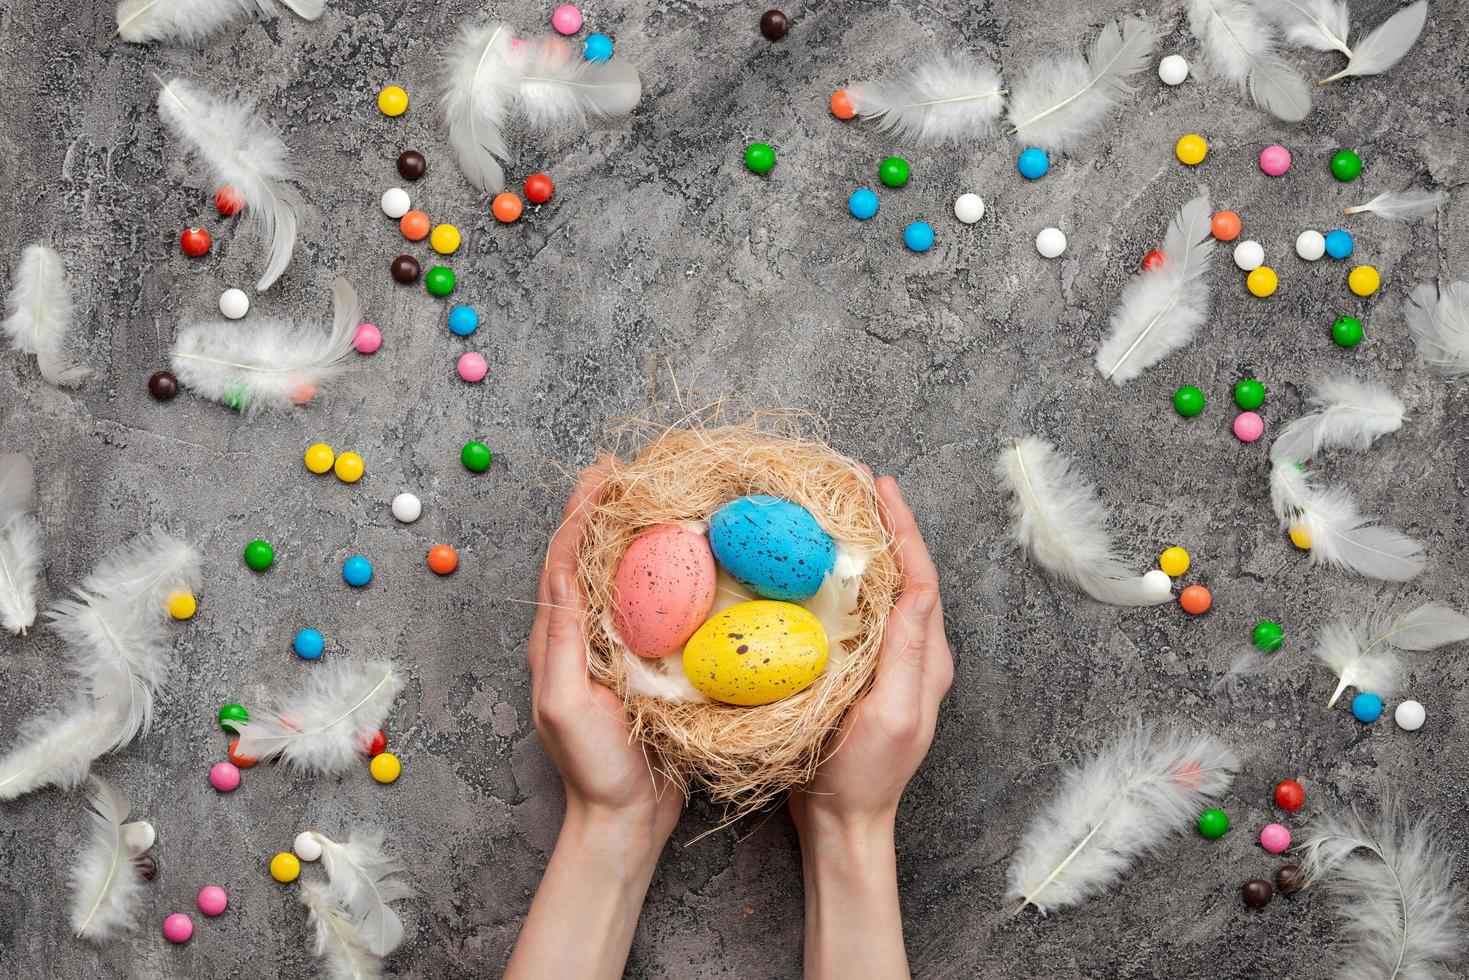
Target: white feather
pixel 1060 523
pixel 40 315
pixel 1128 801
pixel 1240 45
pixel 190 21
pixel 338 944
pixel 1394 885
pixel 1386 45
pixel 1340 535
pixel 20 544
pixel 1161 308
pixel 1348 413
pixel 105 887
pixel 950 97
pixel 478 86
pixel 1401 205
pixel 1362 655
pixel 1322 25
pixel 148 569
pixel 58 749
pixel 1439 320
pixel 267 363
pixel 239 151
pixel 362 884
pixel 1058 104
pixel 321 725
pixel 557 88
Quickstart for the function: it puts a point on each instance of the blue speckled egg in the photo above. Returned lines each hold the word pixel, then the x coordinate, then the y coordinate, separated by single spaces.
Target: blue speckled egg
pixel 772 546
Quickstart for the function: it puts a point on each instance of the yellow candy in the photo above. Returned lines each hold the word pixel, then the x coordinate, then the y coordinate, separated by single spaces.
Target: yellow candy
pixel 285 867
pixel 1174 562
pixel 756 652
pixel 385 767
pixel 1300 537
pixel 181 605
pixel 1191 149
pixel 348 467
pixel 1363 280
pixel 319 457
pixel 393 101
pixel 1262 281
pixel 444 239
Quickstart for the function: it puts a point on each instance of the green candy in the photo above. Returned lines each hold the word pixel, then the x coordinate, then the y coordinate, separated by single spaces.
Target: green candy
pixel 1345 165
pixel 759 158
pixel 1249 394
pixel 233 395
pixel 1347 331
pixel 1213 823
pixel 1188 401
pixel 475 456
pixel 231 715
pixel 893 172
pixel 439 281
pixel 259 555
pixel 1268 635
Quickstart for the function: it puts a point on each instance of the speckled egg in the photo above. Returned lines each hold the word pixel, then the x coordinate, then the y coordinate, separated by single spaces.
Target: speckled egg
pixel 756 652
pixel 663 590
pixel 772 546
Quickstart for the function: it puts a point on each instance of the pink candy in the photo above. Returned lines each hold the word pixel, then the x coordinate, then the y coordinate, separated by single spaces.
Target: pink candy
pixel 473 367
pixel 212 900
pixel 1248 426
pixel 1275 160
pixel 566 19
pixel 177 928
pixel 1274 838
pixel 224 776
pixel 367 339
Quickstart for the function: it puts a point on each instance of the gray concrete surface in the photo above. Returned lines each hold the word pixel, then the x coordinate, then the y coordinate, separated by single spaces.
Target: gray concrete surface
pixel 661 256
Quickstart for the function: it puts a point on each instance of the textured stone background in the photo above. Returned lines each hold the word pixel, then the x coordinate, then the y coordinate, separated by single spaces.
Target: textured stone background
pixel 660 255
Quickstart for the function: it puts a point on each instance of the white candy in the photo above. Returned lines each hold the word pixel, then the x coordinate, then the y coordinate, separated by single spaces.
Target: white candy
pixel 1249 255
pixel 1051 242
pixel 1310 245
pixel 137 837
pixel 233 303
pixel 396 202
pixel 1410 716
pixel 1159 580
pixel 969 208
pixel 306 846
pixel 1172 70
pixel 406 507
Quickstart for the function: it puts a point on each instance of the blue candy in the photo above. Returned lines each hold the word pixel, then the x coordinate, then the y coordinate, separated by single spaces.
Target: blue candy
pixel 1366 708
pixel 308 644
pixel 597 47
pixel 862 204
pixel 1339 244
pixel 1033 163
pixel 463 320
pixel 357 571
pixel 918 236
pixel 773 546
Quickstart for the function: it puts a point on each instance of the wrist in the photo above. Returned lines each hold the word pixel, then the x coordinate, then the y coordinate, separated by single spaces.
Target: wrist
pixel 626 841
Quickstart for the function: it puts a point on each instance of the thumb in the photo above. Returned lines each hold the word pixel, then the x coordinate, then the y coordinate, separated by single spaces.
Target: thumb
pixel 566 649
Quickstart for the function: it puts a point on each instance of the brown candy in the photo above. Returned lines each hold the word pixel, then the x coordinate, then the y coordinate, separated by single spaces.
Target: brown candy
pixel 1288 879
pixel 405 269
pixel 412 164
pixel 774 24
pixel 163 385
pixel 1257 893
pixel 147 867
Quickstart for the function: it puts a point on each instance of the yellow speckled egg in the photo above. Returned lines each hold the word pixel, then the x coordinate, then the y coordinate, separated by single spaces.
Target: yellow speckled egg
pixel 756 652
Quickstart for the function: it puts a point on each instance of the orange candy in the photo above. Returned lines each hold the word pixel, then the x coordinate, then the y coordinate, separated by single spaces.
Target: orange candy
pixel 506 207
pixel 841 105
pixel 1195 600
pixel 415 226
pixel 443 559
pixel 1225 226
pixel 243 761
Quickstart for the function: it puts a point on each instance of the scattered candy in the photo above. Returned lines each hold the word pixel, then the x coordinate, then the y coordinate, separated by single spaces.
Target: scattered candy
pixel 162 385
pixel 309 644
pixel 1274 837
pixel 1300 537
pixel 1262 282
pixel 1345 165
pixel 224 777
pixel 412 165
pixel 969 208
pixel 566 19
pixel 1213 823
pixel 138 836
pixel 893 172
pixel 1195 600
pixel 841 104
pixel 406 507
pixel 285 867
pixel 1363 280
pixel 1290 795
pixel 146 865
pixel 1410 716
pixel 597 48
pixel 177 928
pixel 1191 149
pixel 538 188
pixel 463 321
pixel 1347 331
pixel 1173 70
pixel 918 236
pixel 306 846
pixel 392 101
pixel 415 226
pixel 367 339
pixel 1249 394
pixel 759 158
pixel 319 457
pixel 472 367
pixel 1248 426
pixel 231 715
pixel 233 304
pixel 1339 243
pixel 442 559
pixel 862 204
pixel 1188 401
pixel 1256 893
pixel 385 767
pixel 228 202
pixel 1268 635
pixel 1288 879
pixel 444 239
pixel 405 269
pixel 1051 242
pixel 1033 163
pixel 1275 160
pixel 439 281
pixel 181 605
pixel 1155 580
pixel 1366 707
pixel 242 761
pixel 1310 245
pixel 396 202
pixel 1174 561
pixel 212 900
pixel 195 242
pixel 475 456
pixel 506 207
pixel 357 571
pixel 259 555
pixel 1225 226
pixel 378 744
pixel 1154 260
pixel 774 24
pixel 348 467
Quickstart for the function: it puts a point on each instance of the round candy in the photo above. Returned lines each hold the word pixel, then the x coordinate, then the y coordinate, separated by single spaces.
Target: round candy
pixel 415 226
pixel 1261 282
pixel 1249 394
pixel 1300 537
pixel 463 321
pixel 1248 426
pixel 597 48
pixel 506 207
pixel 367 339
pixel 893 171
pixel 233 303
pixel 472 367
pixel 319 457
pixel 405 269
pixel 1154 260
pixel 1195 600
pixel 566 19
pixel 212 900
pixel 1310 245
pixel 377 745
pixel 1156 582
pixel 309 644
pixel 439 281
pixel 1033 163
pixel 1345 165
pixel 412 165
pixel 538 188
pixel 862 204
pixel 1290 795
pixel 392 101
pixel 841 104
pixel 177 928
pixel 1274 837
pixel 242 761
pixel 1268 635
pixel 759 158
pixel 181 605
pixel 444 239
pixel 1363 280
pixel 774 24
pixel 969 208
pixel 138 836
pixel 1188 401
pixel 228 201
pixel 442 559
pixel 1339 243
pixel 475 456
pixel 147 866
pixel 1288 879
pixel 1225 226
pixel 162 385
pixel 1249 255
pixel 1051 242
pixel 1366 707
pixel 1174 561
pixel 224 776
pixel 1347 331
pixel 231 715
pixel 306 846
pixel 1172 70
pixel 396 202
pixel 1274 160
pixel 385 767
pixel 1213 823
pixel 1410 716
pixel 285 867
pixel 259 555
pixel 918 236
pixel 348 467
pixel 406 507
pixel 1191 149
pixel 1256 893
pixel 195 242
pixel 357 571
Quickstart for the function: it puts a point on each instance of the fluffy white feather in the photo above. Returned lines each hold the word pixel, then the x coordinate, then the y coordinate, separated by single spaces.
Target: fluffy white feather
pixel 338 944
pixel 1240 45
pixel 1057 105
pixel 147 568
pixel 558 88
pixel 58 749
pixel 477 89
pixel 190 21
pixel 1126 802
pixel 239 150
pixel 1439 320
pixel 1161 308
pixel 40 315
pixel 1058 521
pixel 267 363
pixel 950 97
pixel 1393 883
pixel 1322 25
pixel 1362 656
pixel 321 725
pixel 361 883
pixel 1338 533
pixel 105 886
pixel 1386 45
pixel 20 544
pixel 1346 412
pixel 1401 205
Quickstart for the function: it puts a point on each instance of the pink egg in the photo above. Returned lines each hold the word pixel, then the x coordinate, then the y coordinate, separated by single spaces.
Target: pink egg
pixel 212 900
pixel 566 19
pixel 663 590
pixel 1275 160
pixel 224 776
pixel 1274 838
pixel 473 367
pixel 177 928
pixel 367 339
pixel 1248 426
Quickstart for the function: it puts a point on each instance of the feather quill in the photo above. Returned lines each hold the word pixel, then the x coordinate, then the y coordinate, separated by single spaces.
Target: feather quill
pixel 361 873
pixel 191 21
pixel 1439 320
pixel 1386 45
pixel 1361 655
pixel 40 315
pixel 1126 802
pixel 1058 521
pixel 1347 412
pixel 20 544
pixel 1240 44
pixel 270 363
pixel 1339 535
pixel 1161 308
pixel 321 726
pixel 1321 25
pixel 1057 105
pixel 1392 880
pixel 951 97
pixel 556 88
pixel 105 885
pixel 477 89
pixel 58 749
pixel 338 944
pixel 242 152
pixel 1401 205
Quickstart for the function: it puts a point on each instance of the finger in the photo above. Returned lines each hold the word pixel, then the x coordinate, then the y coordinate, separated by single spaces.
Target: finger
pixel 901 658
pixel 564 668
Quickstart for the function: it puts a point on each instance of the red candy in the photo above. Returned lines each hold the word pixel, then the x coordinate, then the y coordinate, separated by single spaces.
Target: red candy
pixel 243 761
pixel 378 745
pixel 538 188
pixel 195 242
pixel 228 201
pixel 1290 796
pixel 1153 260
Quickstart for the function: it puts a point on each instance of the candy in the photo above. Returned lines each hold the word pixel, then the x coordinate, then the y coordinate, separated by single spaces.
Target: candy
pixel 1188 401
pixel 412 165
pixel 306 846
pixel 1310 245
pixel 396 202
pixel 195 242
pixel 1366 707
pixel 1290 795
pixel 367 339
pixel 1248 426
pixel 377 745
pixel 385 767
pixel 1172 70
pixel 146 866
pixel 348 467
pixel 1274 837
pixel 918 236
pixel 463 321
pixel 506 207
pixel 319 457
pixel 162 385
pixel 1155 580
pixel 1339 243
pixel 1345 165
pixel 259 555
pixel 1288 879
pixel 774 24
pixel 969 208
pixel 759 158
pixel 1275 160
pixel 1267 635
pixel 444 239
pixel 285 867
pixel 1213 823
pixel 406 507
pixel 224 777
pixel 442 559
pixel 1174 561
pixel 405 269
pixel 538 188
pixel 475 456
pixel 1347 331
pixel 439 281
pixel 212 900
pixel 1410 716
pixel 893 171
pixel 472 367
pixel 1051 242
pixel 1261 282
pixel 177 928
pixel 1363 280
pixel 1154 260
pixel 1195 600
pixel 597 48
pixel 233 304
pixel 415 226
pixel 1300 537
pixel 357 571
pixel 862 204
pixel 841 104
pixel 1225 226
pixel 309 644
pixel 242 761
pixel 566 19
pixel 1256 893
pixel 228 202
pixel 231 715
pixel 392 101
pixel 1249 394
pixel 1191 149
pixel 1033 163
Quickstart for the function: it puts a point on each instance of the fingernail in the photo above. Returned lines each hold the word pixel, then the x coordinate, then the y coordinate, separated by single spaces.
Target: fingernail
pixel 561 589
pixel 927 601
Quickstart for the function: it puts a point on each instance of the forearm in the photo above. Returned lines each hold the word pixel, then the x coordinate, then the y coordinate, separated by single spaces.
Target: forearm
pixel 854 926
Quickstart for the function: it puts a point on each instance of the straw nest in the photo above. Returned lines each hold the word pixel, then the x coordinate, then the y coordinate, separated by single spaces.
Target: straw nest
pixel 745 757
